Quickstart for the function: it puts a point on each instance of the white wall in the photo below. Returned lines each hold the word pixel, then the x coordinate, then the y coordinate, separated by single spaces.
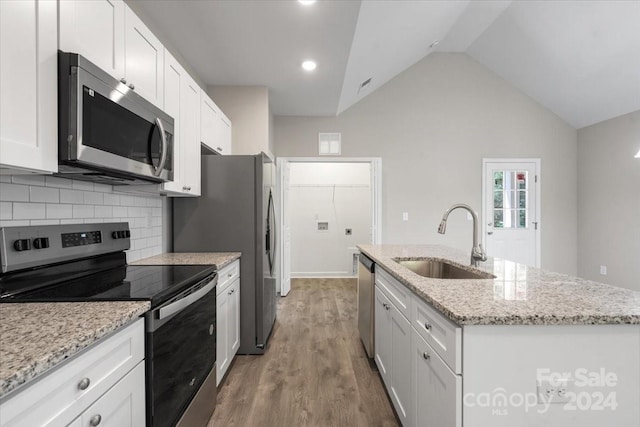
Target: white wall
pixel 432 125
pixel 48 200
pixel 609 201
pixel 248 109
pixel 340 194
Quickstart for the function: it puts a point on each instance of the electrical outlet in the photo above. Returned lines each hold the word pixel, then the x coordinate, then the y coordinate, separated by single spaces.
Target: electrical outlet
pixel 603 270
pixel 405 216
pixel 557 390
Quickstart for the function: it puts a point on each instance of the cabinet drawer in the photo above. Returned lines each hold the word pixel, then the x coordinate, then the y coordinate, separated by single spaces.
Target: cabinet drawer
pixel 57 398
pixel 397 293
pixel 227 275
pixel 439 332
pixel 437 391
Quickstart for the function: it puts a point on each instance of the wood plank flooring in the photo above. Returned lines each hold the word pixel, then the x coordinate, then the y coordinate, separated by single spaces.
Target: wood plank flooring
pixel 315 372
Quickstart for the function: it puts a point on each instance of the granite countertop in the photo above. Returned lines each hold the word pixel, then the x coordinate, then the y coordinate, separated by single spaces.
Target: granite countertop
pixel 217 259
pixel 35 337
pixel 519 295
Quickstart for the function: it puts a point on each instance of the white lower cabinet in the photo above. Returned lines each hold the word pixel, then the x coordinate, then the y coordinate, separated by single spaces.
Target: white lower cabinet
pixel 436 389
pixel 227 318
pixel 106 380
pixel 121 406
pixel 393 354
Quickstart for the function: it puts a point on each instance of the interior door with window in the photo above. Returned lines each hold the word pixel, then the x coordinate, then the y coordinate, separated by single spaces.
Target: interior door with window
pixel 511 210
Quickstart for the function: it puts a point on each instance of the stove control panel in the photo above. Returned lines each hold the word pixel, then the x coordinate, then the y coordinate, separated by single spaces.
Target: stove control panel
pixel 33 246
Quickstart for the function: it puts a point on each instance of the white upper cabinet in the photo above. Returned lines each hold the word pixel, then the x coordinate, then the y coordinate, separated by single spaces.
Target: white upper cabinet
pixel 215 127
pixel 95 30
pixel 144 59
pixel 28 87
pixel 190 136
pixel 178 88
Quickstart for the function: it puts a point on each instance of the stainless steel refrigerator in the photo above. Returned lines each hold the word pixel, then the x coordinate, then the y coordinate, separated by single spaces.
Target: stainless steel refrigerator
pixel 236 213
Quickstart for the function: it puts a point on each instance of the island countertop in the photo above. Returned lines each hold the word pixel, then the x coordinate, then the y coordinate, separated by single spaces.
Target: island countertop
pixel 217 259
pixel 519 295
pixel 35 337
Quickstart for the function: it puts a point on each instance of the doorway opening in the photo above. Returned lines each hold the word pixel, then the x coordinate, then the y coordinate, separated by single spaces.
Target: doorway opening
pixel 327 207
pixel 511 209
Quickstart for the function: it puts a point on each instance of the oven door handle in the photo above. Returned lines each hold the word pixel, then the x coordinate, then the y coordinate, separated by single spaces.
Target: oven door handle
pixel 185 302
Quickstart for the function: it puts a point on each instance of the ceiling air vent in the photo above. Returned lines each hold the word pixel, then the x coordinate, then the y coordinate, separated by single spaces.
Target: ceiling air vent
pixel 363 84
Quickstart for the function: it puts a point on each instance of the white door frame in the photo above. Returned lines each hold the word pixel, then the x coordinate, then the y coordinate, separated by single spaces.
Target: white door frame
pixel 376 200
pixel 485 221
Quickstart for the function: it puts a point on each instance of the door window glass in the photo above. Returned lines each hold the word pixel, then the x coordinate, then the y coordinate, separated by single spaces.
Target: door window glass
pixel 510 199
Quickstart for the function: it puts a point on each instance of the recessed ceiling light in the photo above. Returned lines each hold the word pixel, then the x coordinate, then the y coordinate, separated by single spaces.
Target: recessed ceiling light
pixel 638 155
pixel 306 2
pixel 309 65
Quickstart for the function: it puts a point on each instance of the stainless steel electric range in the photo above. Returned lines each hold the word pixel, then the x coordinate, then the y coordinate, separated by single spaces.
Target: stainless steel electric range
pixel 87 262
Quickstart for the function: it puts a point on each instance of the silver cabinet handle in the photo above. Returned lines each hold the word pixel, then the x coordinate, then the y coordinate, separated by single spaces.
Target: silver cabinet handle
pixel 489 233
pixel 426 356
pixel 219 148
pixel 386 306
pixel 95 420
pixel 131 86
pixel 84 383
pixel 185 188
pixel 123 81
pixel 427 326
pixel 163 155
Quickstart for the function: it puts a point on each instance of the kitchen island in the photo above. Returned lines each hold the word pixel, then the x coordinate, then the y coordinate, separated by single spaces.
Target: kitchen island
pixel 528 347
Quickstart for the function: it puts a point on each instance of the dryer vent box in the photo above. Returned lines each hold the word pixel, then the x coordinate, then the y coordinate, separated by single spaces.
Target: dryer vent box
pixel 329 143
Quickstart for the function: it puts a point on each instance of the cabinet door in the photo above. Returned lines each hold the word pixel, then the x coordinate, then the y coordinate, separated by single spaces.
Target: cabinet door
pixel 191 164
pixel 95 30
pixel 437 391
pixel 208 122
pixel 29 86
pixel 122 406
pixel 223 130
pixel 401 366
pixel 234 320
pixel 173 76
pixel 222 334
pixel 382 337
pixel 143 62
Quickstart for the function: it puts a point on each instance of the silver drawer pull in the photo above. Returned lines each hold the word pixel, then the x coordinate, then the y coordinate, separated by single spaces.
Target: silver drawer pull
pixel 95 420
pixel 385 305
pixel 427 326
pixel 131 86
pixel 219 148
pixel 426 356
pixel 229 293
pixel 123 81
pixel 84 383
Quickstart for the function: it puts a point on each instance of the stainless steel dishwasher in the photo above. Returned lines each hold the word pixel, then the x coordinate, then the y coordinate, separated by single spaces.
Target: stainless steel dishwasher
pixel 366 295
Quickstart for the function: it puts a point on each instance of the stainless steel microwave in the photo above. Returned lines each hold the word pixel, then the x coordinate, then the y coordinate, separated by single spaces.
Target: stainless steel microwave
pixel 107 132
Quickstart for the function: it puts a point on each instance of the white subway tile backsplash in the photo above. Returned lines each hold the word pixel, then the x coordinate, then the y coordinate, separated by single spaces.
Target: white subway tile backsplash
pixel 83 211
pixel 111 199
pixel 14 223
pixel 93 198
pixel 71 196
pixel 29 211
pixel 6 210
pixel 14 193
pixel 102 188
pixel 44 200
pixel 82 185
pixel 28 179
pixel 44 194
pixel 45 222
pixel 54 181
pixel 55 211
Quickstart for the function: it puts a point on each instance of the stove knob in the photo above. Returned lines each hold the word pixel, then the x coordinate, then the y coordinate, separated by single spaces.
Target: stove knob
pixel 115 235
pixel 22 245
pixel 41 243
pixel 121 234
pixel 127 233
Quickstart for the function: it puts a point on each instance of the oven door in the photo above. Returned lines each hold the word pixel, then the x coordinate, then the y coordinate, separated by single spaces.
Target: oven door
pixel 112 128
pixel 181 351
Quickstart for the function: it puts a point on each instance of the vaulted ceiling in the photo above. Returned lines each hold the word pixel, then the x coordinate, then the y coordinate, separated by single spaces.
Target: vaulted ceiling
pixel 579 59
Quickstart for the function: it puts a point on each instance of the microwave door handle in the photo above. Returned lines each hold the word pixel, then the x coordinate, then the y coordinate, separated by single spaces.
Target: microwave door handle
pixel 163 154
pixel 181 304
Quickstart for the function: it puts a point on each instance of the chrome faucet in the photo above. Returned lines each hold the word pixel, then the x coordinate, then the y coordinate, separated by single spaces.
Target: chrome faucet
pixel 477 253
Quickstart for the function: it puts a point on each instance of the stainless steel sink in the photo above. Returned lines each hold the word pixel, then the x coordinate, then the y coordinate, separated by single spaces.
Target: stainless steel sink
pixel 429 267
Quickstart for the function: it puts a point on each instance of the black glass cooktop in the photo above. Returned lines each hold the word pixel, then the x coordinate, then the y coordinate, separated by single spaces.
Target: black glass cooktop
pixel 87 281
